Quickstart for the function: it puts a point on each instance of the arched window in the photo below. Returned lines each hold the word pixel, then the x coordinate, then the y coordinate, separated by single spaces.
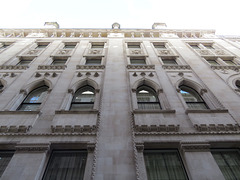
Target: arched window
pixel 192 98
pixel 147 98
pixel 34 99
pixel 83 98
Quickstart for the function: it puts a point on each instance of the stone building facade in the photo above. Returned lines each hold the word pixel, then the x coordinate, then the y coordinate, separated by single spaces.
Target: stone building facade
pixel 120 104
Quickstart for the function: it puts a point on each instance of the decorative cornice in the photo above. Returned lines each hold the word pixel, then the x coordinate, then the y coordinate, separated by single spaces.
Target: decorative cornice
pixel 14 129
pixel 187 133
pixel 216 127
pixel 140 66
pixel 218 67
pixel 194 146
pixel 145 111
pixel 90 67
pixel 32 147
pixel 156 128
pixel 13 67
pixel 178 67
pixel 206 111
pixel 51 67
pixel 73 129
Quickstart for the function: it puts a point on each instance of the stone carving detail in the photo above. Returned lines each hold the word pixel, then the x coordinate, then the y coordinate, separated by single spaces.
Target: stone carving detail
pixel 74 129
pixel 155 128
pixel 63 52
pixel 33 52
pixel 140 66
pixel 216 127
pixel 224 68
pixel 13 67
pixel 46 74
pixel 219 52
pixel 135 51
pixel 51 67
pixel 14 129
pixel 165 52
pixel 177 67
pixel 204 52
pixel 90 67
pixel 95 51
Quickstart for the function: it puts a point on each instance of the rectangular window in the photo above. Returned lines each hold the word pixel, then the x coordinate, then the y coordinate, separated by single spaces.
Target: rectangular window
pixel 97 45
pixel 5 157
pixel 58 62
pixel 93 61
pixel 134 45
pixel 169 61
pixel 24 61
pixel 66 165
pixel 209 46
pixel 164 165
pixel 3 46
pixel 229 62
pixel 42 45
pixel 194 46
pixel 228 161
pixel 213 62
pixel 159 46
pixel 138 60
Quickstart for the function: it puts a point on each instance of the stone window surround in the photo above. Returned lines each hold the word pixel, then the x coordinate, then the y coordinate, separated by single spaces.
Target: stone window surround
pixel 52 58
pixel 221 60
pixel 65 107
pixel 208 97
pixel 18 99
pixel 84 59
pixel 17 59
pixel 159 92
pixel 147 60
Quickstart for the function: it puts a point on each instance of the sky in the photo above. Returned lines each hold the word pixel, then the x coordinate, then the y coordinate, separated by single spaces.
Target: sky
pixel 221 15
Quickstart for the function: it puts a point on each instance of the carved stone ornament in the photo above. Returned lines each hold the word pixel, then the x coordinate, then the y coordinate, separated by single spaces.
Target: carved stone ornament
pixel 95 51
pixel 156 128
pixel 33 52
pixel 216 127
pixel 64 52
pixel 164 52
pixel 139 147
pixel 134 74
pixel 135 51
pixel 15 129
pixel 219 52
pixel 37 74
pixel 74 129
pixel 91 147
pixel 79 74
pixel 204 52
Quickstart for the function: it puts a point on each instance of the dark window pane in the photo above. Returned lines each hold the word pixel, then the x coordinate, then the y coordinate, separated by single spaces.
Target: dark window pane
pixel 213 62
pixel 138 61
pixel 58 62
pixel 164 165
pixel 93 61
pixel 169 61
pixel 66 165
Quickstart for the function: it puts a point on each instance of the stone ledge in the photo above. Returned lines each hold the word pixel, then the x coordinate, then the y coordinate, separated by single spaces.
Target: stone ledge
pixel 141 111
pixel 73 129
pixel 194 147
pixel 219 67
pixel 77 112
pixel 19 112
pixel 216 127
pixel 206 111
pixel 156 128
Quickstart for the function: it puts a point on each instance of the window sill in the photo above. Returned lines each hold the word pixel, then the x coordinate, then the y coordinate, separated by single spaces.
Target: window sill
pixel 20 112
pixel 206 111
pixel 91 111
pixel 141 111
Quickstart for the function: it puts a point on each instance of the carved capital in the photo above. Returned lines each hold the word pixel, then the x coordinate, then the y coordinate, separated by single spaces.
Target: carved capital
pixel 139 147
pixel 91 147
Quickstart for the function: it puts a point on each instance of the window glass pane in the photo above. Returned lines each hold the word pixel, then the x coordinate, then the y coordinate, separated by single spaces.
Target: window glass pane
pixel 37 95
pixel 195 46
pixel 24 62
pixel 164 165
pixel 66 165
pixel 159 46
pixel 83 98
pixel 169 61
pixel 213 62
pixel 93 61
pixel 69 46
pixel 192 98
pixel 135 46
pixel 230 62
pixel 57 62
pixel 41 46
pixel 147 98
pixel 228 162
pixel 5 157
pixel 138 61
pixel 34 99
